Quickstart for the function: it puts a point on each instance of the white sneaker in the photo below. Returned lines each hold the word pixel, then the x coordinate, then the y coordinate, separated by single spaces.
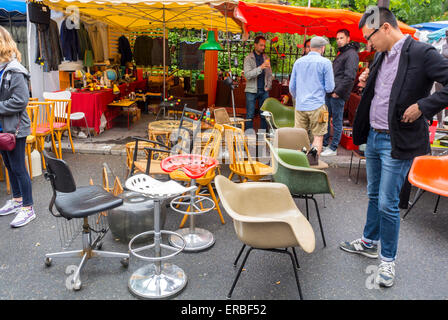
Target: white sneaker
pixel 24 216
pixel 328 152
pixel 386 274
pixel 11 206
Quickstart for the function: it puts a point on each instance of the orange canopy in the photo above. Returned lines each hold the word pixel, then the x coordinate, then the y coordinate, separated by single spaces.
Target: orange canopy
pixel 261 17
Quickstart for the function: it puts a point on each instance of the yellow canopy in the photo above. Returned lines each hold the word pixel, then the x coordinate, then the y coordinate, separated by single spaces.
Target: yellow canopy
pixel 134 15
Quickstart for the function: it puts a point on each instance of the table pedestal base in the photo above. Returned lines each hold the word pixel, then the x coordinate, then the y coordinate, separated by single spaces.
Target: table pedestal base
pixel 147 283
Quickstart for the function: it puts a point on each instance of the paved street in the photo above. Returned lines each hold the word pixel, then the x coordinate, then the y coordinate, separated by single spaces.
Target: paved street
pixel 327 273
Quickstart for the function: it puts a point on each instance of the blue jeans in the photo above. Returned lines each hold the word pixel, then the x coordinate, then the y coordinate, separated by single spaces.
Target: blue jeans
pixel 18 175
pixel 336 111
pixel 261 95
pixel 385 177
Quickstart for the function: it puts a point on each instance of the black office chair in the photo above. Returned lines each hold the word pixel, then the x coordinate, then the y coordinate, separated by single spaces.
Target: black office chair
pixel 74 202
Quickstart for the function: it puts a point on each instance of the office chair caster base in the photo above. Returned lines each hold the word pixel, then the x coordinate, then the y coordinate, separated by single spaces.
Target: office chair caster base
pixel 148 284
pixel 76 286
pixel 196 240
pixel 125 262
pixel 48 262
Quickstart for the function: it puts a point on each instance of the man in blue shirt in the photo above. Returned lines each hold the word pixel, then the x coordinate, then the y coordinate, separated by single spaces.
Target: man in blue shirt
pixel 311 79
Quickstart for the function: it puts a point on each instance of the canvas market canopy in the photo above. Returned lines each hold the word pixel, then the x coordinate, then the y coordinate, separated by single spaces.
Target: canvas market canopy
pixel 261 17
pixel 12 11
pixel 134 15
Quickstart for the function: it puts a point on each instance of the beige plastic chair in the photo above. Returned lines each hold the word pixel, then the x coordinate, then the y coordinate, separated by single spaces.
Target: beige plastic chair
pixel 265 217
pixel 295 139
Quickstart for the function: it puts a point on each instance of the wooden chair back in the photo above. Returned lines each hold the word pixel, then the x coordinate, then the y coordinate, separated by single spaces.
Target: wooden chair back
pixel 62 110
pixel 45 116
pixel 33 114
pixel 238 151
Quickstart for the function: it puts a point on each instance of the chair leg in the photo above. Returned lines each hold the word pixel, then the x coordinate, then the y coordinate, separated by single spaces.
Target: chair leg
pixel 307 210
pixel 58 135
pixel 239 273
pixel 30 166
pixel 295 257
pixel 185 218
pixel 350 168
pixel 53 144
pixel 437 204
pixel 8 184
pixel 212 193
pixel 70 138
pixel 295 273
pixel 108 254
pixel 357 174
pixel 239 255
pixel 88 130
pixel 320 222
pixel 40 148
pixel 413 203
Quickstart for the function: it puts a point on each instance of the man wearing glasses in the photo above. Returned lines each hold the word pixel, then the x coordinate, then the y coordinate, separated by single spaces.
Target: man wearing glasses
pixel 392 118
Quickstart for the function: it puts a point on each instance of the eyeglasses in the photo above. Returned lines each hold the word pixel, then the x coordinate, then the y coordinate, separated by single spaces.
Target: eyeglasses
pixel 370 36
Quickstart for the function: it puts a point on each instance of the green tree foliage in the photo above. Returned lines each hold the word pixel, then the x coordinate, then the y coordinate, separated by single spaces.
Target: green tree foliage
pixel 407 11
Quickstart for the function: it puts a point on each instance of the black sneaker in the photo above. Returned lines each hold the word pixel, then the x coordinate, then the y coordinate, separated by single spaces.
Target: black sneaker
pixel 358 246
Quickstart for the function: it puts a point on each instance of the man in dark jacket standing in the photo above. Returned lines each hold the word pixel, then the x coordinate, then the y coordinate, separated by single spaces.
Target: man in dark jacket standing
pixel 345 67
pixel 392 118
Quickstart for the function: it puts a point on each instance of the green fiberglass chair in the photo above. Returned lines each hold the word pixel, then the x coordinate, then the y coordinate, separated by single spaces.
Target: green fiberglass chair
pixel 292 168
pixel 282 116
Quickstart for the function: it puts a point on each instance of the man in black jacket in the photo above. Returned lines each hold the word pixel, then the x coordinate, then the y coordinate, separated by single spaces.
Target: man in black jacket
pixel 345 66
pixel 392 118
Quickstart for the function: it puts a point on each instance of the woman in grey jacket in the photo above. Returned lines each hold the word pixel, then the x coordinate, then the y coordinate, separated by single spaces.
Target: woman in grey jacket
pixel 14 97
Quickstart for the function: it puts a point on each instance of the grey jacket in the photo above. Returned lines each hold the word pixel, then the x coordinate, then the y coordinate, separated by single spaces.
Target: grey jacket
pixel 251 72
pixel 14 96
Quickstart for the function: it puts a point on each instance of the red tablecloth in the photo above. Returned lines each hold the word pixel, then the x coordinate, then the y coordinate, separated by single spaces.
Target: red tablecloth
pixel 94 104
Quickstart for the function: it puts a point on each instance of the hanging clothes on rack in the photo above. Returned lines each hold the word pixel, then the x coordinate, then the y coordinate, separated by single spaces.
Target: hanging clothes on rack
pixel 85 46
pixel 124 48
pixel 48 47
pixel 97 42
pixel 70 43
pixel 103 29
pixel 157 52
pixel 189 57
pixel 18 33
pixel 143 51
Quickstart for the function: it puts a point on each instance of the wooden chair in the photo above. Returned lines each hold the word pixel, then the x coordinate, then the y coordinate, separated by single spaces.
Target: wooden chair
pixel 44 127
pixel 136 160
pixel 210 149
pixel 150 164
pixel 61 123
pixel 238 151
pixel 31 141
pixel 222 117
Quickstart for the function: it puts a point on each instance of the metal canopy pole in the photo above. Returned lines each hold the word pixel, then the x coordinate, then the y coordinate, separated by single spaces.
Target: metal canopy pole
pixel 230 68
pixel 164 53
pixel 384 3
